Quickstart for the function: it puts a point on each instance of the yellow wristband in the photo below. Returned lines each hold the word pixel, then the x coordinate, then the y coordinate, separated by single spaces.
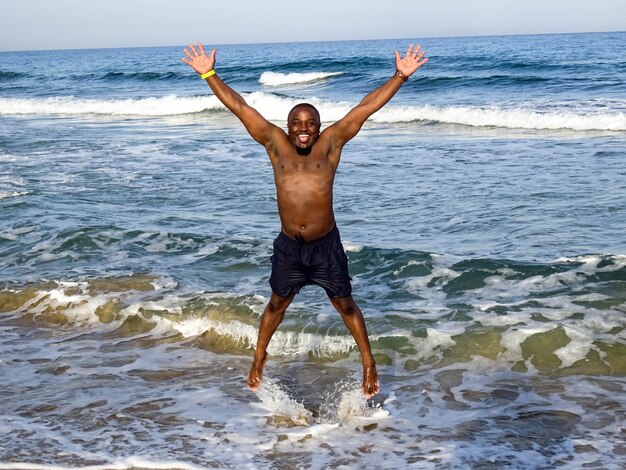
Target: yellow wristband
pixel 208 74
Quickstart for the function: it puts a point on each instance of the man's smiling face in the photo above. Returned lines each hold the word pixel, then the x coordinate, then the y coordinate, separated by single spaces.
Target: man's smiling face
pixel 303 124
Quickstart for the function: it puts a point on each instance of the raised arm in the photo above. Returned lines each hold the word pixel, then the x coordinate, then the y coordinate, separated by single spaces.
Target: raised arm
pixel 347 127
pixel 258 127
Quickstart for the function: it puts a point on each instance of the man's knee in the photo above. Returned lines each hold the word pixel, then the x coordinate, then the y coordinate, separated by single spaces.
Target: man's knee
pixel 346 305
pixel 277 304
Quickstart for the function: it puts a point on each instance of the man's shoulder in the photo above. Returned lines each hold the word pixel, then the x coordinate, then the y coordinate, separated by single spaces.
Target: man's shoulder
pixel 326 135
pixel 329 135
pixel 279 138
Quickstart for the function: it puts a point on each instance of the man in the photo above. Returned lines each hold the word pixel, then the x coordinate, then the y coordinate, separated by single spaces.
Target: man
pixel 308 250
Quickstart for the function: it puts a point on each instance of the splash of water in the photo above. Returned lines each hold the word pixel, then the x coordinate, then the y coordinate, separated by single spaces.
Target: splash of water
pixel 346 403
pixel 285 410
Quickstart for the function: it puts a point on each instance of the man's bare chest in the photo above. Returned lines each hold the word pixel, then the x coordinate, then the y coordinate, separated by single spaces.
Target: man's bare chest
pixel 302 165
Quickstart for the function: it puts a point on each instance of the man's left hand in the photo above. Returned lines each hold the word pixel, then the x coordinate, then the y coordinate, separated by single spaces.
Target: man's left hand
pixel 413 60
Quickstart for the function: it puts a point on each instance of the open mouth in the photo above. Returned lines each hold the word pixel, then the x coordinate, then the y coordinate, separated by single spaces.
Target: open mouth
pixel 304 138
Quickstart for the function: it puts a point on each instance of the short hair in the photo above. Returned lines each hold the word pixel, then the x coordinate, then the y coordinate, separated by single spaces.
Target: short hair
pixel 305 105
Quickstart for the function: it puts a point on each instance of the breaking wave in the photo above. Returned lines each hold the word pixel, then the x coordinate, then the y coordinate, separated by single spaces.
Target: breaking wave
pixel 276 108
pixel 294 78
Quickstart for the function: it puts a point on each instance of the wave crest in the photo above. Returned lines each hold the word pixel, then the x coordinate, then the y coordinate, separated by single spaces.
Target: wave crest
pixel 515 118
pixel 69 105
pixel 275 108
pixel 294 78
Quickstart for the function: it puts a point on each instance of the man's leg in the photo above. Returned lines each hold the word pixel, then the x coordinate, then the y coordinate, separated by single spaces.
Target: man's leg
pixel 353 319
pixel 271 318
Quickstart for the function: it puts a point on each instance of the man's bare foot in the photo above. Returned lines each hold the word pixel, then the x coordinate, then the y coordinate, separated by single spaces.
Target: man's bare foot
pixel 256 373
pixel 371 384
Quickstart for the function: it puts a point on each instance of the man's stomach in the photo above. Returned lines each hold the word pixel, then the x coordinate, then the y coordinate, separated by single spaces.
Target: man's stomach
pixel 306 223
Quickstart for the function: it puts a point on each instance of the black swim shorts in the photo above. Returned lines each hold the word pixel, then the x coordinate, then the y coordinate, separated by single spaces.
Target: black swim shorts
pixel 322 262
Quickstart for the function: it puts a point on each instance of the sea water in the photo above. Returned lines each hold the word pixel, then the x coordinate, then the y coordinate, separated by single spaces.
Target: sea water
pixel 482 211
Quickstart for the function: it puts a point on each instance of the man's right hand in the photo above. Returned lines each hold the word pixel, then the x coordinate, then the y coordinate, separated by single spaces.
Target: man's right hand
pixel 198 60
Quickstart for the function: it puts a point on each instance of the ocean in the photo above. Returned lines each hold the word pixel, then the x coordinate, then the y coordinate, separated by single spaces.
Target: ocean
pixel 482 211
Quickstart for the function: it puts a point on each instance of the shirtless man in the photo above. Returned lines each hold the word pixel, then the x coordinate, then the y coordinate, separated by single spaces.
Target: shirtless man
pixel 308 250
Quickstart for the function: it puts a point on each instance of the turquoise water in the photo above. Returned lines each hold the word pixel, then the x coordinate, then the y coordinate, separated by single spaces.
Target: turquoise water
pixel 482 212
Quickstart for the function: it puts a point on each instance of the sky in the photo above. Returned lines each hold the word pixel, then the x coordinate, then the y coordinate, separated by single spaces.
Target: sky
pixel 78 24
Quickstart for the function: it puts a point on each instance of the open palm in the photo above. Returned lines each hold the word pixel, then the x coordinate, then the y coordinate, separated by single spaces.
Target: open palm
pixel 198 59
pixel 413 60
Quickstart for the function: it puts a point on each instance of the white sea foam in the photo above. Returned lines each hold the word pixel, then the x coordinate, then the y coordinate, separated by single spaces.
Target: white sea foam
pixel 515 118
pixel 352 247
pixel 126 463
pixel 499 286
pixel 435 342
pixel 276 108
pixel 6 195
pixel 284 343
pixel 591 262
pixel 512 340
pixel 440 273
pixel 602 322
pixel 15 233
pixel 278 79
pixel 69 105
pixel 79 307
pixel 579 346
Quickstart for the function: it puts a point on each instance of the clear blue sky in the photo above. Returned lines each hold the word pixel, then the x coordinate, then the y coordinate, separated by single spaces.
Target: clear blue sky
pixel 63 24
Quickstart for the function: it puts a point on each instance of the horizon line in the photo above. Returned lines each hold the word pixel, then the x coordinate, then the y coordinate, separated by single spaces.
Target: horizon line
pixel 315 40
